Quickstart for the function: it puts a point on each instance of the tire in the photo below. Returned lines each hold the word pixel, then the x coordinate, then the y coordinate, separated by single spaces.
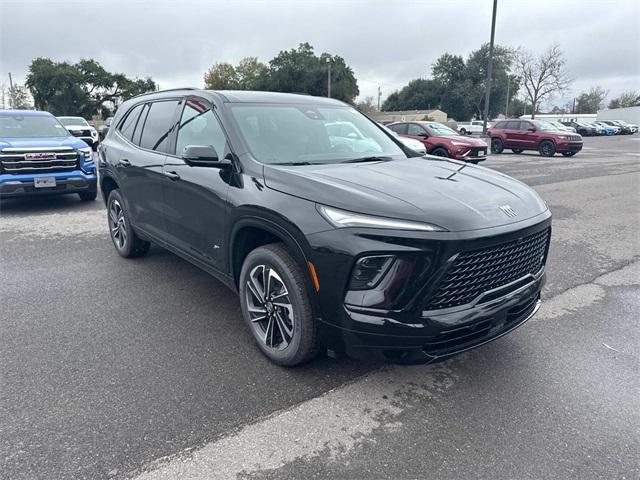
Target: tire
pixel 568 154
pixel 89 196
pixel 463 131
pixel 517 150
pixel 124 238
pixel 496 145
pixel 547 148
pixel 288 332
pixel 440 152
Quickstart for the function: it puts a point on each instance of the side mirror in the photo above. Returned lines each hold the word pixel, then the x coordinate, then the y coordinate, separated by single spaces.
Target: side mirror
pixel 423 134
pixel 532 129
pixel 202 156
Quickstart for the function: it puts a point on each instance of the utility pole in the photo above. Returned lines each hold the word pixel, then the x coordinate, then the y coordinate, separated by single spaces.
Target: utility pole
pixel 487 94
pixel 379 95
pixel 329 77
pixel 10 91
pixel 506 107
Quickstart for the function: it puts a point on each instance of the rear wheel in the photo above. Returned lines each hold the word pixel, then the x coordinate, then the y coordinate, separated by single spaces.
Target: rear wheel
pixel 125 240
pixel 547 148
pixel 276 306
pixel 517 150
pixel 463 131
pixel 568 154
pixel 440 152
pixel 496 145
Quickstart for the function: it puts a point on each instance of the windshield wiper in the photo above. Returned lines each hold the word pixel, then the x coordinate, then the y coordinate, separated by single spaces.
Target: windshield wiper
pixel 367 159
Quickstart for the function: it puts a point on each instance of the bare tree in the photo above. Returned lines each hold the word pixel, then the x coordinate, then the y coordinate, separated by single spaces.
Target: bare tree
pixel 542 76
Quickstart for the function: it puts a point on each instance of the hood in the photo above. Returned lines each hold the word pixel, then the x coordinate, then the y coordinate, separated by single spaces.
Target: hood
pixel 450 194
pixel 42 142
pixel 464 140
pixel 79 127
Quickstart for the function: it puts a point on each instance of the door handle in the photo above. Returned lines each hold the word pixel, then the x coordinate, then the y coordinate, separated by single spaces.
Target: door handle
pixel 172 175
pixel 123 162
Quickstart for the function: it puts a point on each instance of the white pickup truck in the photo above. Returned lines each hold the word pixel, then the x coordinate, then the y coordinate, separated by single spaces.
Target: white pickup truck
pixel 469 128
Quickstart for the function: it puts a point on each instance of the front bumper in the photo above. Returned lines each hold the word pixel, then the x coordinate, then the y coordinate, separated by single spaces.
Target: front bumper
pixel 569 147
pixel 398 320
pixel 474 155
pixel 23 185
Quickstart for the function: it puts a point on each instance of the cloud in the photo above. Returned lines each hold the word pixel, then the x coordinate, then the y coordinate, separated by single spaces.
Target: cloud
pixel 387 43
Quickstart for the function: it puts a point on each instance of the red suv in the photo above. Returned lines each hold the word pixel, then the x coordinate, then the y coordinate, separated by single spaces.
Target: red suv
pixel 520 135
pixel 441 141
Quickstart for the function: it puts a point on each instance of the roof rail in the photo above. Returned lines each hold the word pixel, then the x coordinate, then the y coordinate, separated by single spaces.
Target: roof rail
pixel 167 90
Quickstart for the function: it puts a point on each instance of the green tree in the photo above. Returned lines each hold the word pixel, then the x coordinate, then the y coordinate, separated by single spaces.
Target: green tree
pixel 84 88
pixel 458 86
pixel 221 76
pixel 252 74
pixel 591 101
pixel 627 99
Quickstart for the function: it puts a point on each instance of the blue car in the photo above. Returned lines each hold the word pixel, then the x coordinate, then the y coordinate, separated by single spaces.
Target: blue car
pixel 38 156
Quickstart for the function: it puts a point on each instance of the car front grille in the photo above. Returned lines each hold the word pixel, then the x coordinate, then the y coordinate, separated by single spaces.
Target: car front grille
pixel 478 152
pixel 575 138
pixel 38 160
pixel 478 271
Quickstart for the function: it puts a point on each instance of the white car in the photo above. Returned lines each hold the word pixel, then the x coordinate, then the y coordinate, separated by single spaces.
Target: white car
pixel 412 143
pixel 469 128
pixel 79 127
pixel 561 127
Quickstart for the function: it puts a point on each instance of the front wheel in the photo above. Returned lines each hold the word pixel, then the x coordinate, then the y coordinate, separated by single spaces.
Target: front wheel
pixel 126 241
pixel 517 150
pixel 568 154
pixel 440 152
pixel 547 148
pixel 276 306
pixel 496 145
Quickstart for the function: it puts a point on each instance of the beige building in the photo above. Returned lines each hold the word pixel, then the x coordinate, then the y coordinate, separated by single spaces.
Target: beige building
pixel 410 115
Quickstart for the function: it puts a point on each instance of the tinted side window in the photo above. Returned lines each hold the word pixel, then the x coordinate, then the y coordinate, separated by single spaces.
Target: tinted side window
pixel 138 131
pixel 525 126
pixel 414 129
pixel 128 125
pixel 199 126
pixel 400 128
pixel 158 125
pixel 512 125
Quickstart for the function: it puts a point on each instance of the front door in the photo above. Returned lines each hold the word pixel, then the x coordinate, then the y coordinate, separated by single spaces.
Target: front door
pixel 195 197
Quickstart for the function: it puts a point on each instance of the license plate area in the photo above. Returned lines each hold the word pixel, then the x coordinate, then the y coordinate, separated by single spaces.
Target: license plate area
pixel 44 182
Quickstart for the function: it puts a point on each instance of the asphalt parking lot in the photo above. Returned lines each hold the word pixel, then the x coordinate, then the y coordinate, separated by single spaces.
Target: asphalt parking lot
pixel 113 368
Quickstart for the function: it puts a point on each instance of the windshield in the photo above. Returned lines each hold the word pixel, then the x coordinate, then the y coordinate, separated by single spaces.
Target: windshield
pixel 284 133
pixel 439 130
pixel 24 126
pixel 66 121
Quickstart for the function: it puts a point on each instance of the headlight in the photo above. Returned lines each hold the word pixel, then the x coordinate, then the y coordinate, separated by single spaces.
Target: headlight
pixel 368 271
pixel 342 218
pixel 94 134
pixel 563 137
pixel 87 153
pixel 459 144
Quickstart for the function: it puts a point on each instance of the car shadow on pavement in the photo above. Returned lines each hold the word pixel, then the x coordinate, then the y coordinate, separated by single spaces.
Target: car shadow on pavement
pixel 46 204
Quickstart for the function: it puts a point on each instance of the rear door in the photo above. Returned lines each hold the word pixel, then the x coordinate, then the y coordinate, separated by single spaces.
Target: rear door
pixel 196 197
pixel 139 159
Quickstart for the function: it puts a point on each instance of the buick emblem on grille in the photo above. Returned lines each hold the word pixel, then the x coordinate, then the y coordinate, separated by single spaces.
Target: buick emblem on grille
pixel 40 156
pixel 508 211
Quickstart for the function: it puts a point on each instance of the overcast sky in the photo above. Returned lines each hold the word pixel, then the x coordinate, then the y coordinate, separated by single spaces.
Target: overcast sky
pixel 387 43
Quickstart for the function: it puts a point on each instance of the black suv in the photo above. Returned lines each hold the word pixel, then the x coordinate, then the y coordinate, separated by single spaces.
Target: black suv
pixel 353 244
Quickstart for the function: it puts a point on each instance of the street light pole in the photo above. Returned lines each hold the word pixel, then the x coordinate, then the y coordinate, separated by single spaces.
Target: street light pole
pixel 329 77
pixel 487 94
